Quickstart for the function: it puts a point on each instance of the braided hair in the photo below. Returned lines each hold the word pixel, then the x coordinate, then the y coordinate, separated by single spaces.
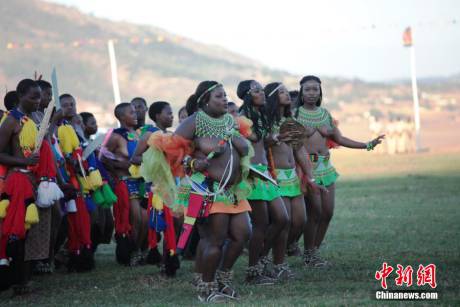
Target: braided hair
pixel 272 106
pixel 258 119
pixel 299 102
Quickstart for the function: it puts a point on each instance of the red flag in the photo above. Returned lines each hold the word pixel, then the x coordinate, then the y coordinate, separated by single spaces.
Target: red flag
pixel 407 37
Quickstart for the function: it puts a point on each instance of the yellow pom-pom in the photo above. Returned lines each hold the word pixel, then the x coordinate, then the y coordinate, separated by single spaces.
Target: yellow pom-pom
pixel 95 179
pixel 32 214
pixel 135 171
pixel 171 252
pixel 28 135
pixel 157 202
pixel 68 139
pixel 84 184
pixel 3 206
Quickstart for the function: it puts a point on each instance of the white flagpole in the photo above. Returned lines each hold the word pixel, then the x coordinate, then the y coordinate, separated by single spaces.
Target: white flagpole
pixel 113 68
pixel 415 97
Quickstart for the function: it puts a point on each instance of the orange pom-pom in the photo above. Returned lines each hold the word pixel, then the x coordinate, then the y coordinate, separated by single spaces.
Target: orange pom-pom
pixel 245 125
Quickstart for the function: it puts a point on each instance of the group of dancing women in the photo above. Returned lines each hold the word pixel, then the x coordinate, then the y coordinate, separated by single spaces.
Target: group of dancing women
pixel 256 176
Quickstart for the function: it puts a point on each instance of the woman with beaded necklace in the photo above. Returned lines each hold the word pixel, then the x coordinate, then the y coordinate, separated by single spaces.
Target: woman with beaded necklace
pixel 283 157
pixel 216 167
pixel 266 203
pixel 325 135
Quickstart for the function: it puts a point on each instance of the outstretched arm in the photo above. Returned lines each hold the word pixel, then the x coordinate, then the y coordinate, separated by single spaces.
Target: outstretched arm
pixel 349 143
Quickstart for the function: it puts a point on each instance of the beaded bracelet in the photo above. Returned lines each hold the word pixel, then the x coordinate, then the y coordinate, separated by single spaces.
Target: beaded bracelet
pixel 191 165
pixel 369 146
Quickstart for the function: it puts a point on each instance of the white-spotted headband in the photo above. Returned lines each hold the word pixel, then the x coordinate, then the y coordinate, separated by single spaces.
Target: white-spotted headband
pixel 276 88
pixel 207 91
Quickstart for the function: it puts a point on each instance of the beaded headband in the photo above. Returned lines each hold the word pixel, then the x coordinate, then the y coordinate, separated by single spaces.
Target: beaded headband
pixel 207 91
pixel 276 88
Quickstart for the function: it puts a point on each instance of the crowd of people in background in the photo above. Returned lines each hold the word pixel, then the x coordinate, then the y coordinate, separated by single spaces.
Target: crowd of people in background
pixel 255 174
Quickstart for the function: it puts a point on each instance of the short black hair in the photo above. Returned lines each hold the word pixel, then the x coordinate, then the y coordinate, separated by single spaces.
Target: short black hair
pixel 65 96
pixel 11 100
pixel 120 108
pixel 24 86
pixel 156 108
pixel 85 116
pixel 231 103
pixel 140 99
pixel 44 84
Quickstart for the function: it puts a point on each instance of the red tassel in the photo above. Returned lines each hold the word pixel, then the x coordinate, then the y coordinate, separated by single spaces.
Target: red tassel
pixel 19 188
pixel 79 226
pixel 170 233
pixel 46 167
pixel 121 209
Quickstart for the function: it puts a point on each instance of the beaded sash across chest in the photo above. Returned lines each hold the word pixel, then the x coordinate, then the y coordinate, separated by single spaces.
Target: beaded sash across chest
pixel 314 118
pixel 207 126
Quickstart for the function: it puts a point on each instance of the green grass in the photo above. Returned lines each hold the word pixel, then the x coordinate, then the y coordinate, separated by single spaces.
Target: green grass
pixel 402 214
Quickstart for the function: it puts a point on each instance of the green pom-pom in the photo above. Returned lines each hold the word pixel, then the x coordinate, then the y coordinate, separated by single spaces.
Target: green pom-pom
pixel 98 197
pixel 109 196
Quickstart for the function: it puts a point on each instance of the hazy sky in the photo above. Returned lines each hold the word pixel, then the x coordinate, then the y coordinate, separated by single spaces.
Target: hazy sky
pixel 327 37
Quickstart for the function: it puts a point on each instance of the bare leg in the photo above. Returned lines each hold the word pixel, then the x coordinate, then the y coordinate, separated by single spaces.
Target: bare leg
pixel 135 218
pixel 278 230
pixel 240 231
pixel 298 218
pixel 216 229
pixel 144 229
pixel 313 204
pixel 259 218
pixel 202 243
pixel 327 206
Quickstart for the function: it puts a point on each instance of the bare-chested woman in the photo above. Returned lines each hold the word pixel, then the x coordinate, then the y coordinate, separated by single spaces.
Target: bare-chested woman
pixel 130 217
pixel 215 171
pixel 161 114
pixel 269 216
pixel 320 207
pixel 17 143
pixel 284 158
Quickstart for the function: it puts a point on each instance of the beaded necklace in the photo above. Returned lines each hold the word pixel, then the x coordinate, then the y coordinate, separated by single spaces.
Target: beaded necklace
pixel 315 118
pixel 207 126
pixel 276 126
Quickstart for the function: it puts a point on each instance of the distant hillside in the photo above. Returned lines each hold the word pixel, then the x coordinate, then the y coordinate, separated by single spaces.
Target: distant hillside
pixel 155 64
pixel 151 62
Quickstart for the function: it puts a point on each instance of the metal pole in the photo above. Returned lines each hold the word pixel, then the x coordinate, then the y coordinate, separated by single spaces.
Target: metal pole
pixel 113 68
pixel 415 98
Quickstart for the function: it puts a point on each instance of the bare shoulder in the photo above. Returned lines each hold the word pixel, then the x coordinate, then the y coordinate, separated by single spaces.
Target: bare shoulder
pixel 187 128
pixel 10 124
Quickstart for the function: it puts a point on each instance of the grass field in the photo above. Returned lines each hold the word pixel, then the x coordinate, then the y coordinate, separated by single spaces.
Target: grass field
pixel 402 209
